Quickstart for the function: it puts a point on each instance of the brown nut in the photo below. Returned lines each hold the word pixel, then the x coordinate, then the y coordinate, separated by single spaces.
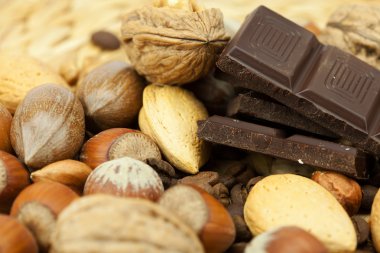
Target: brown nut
pixel 175 42
pixel 15 237
pixel 5 128
pixel 13 178
pixel 68 172
pixel 203 213
pixel 105 40
pixel 95 151
pixel 111 95
pixel 344 189
pixel 125 177
pixel 48 126
pixel 286 240
pixel 38 206
pixel 117 143
pixel 103 223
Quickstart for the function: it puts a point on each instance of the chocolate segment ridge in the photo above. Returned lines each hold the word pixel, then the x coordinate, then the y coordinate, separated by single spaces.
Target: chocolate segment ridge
pixel 275 56
pixel 303 149
pixel 254 105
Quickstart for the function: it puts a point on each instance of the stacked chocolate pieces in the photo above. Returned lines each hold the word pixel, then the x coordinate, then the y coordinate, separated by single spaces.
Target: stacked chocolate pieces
pixel 319 92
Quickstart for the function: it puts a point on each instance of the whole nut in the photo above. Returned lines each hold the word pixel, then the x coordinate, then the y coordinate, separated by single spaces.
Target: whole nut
pixel 68 172
pixel 38 206
pixel 203 213
pixel 117 143
pixel 105 40
pixel 169 115
pixel 48 126
pixel 286 240
pixel 111 95
pixel 13 178
pixel 125 177
pixel 175 42
pixel 103 223
pixel 288 199
pixel 95 150
pixel 15 237
pixel 5 128
pixel 19 73
pixel 344 189
pixel 375 222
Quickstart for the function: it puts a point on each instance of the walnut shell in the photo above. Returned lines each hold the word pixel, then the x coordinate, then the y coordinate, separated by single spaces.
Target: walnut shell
pixel 101 223
pixel 173 46
pixel 48 126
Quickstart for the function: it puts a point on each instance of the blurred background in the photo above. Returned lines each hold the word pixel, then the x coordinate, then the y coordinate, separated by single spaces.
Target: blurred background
pixel 59 32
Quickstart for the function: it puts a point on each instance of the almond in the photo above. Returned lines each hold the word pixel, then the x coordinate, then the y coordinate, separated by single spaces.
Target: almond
pixel 169 115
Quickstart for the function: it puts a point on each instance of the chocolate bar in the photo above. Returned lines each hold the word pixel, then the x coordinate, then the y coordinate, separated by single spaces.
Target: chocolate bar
pixel 256 105
pixel 274 56
pixel 275 142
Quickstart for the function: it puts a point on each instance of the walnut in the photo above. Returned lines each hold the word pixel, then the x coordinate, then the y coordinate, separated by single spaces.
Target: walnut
pixel 173 42
pixel 355 33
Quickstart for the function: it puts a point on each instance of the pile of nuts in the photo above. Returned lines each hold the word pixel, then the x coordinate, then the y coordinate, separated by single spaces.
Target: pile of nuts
pixel 117 166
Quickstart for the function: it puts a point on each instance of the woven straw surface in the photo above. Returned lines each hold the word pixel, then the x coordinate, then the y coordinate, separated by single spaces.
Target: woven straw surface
pixel 59 31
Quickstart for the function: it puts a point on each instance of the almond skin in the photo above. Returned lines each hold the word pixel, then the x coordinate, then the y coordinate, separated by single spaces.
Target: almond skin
pixel 68 172
pixel 169 115
pixel 48 126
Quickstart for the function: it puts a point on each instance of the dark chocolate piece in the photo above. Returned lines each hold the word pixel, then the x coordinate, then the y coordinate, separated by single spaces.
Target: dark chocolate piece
pixel 105 40
pixel 253 105
pixel 305 150
pixel 275 56
pixel 369 193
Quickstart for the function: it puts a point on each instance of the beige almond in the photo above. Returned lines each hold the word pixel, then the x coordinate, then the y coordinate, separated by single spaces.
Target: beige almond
pixel 375 222
pixel 170 116
pixel 68 172
pixel 291 200
pixel 19 73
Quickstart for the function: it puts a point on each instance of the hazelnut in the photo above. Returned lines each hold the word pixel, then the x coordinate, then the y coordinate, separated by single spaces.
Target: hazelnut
pixel 5 126
pixel 13 178
pixel 117 143
pixel 111 95
pixel 125 177
pixel 68 172
pixel 95 150
pixel 38 206
pixel 48 126
pixel 344 189
pixel 203 213
pixel 286 240
pixel 103 223
pixel 15 237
